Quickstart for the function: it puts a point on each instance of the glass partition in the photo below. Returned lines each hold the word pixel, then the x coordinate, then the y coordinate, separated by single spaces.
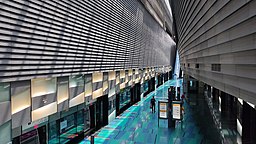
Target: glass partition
pixel 87 119
pixel 67 128
pixel 53 134
pixel 125 97
pixel 80 121
pixel 145 86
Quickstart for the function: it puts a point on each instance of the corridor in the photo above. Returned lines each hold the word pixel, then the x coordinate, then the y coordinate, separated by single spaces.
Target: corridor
pixel 138 125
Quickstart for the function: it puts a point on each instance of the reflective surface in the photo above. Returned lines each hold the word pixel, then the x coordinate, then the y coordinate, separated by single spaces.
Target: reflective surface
pixel 138 125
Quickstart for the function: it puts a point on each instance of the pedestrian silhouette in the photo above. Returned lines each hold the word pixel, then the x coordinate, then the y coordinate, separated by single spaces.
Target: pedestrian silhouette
pixel 153 104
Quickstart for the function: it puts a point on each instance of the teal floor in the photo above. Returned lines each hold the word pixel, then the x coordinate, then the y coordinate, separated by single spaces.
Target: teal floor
pixel 138 125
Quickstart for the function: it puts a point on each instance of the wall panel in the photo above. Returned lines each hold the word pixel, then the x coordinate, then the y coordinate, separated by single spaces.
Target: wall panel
pixel 62 38
pixel 219 32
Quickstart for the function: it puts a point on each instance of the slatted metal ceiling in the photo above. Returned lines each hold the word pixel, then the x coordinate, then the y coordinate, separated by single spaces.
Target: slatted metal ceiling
pixel 53 38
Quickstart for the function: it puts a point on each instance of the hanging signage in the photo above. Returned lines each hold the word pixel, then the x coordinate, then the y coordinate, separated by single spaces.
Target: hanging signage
pixel 163 109
pixel 176 110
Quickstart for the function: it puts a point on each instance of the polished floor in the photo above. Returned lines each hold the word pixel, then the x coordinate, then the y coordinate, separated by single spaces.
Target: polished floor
pixel 139 125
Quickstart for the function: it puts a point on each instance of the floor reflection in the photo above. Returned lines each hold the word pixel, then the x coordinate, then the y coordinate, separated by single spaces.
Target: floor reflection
pixel 138 125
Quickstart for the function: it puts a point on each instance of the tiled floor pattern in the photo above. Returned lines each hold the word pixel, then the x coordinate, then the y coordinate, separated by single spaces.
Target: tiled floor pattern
pixel 138 125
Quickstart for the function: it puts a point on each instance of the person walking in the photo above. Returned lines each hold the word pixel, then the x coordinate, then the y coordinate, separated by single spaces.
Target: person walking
pixel 183 97
pixel 153 104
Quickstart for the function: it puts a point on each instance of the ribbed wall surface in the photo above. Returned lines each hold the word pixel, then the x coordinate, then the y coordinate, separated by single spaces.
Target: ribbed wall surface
pixel 217 43
pixel 56 38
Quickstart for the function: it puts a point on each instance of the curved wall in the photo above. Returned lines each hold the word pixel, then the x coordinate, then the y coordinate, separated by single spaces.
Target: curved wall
pixel 58 38
pixel 217 43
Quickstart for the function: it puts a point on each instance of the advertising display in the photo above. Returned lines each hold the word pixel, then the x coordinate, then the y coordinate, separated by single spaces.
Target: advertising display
pixel 163 110
pixel 176 110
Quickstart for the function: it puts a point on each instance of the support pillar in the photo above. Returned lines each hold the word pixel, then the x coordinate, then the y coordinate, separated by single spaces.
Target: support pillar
pixel 224 102
pixel 248 124
pixel 201 88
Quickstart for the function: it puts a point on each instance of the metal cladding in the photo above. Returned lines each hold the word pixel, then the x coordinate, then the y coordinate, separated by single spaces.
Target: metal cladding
pixel 216 43
pixel 60 38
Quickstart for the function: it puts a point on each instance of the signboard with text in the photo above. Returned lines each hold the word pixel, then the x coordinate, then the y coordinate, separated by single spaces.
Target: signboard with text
pixel 163 109
pixel 176 110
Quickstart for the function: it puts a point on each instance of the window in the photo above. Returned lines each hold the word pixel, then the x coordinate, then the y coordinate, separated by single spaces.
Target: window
pixel 188 65
pixel 197 65
pixel 216 67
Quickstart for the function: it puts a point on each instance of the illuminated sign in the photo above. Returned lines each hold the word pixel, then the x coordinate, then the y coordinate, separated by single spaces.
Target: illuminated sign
pixel 163 109
pixel 176 110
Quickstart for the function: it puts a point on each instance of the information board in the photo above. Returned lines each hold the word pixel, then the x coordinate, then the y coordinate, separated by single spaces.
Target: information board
pixel 176 111
pixel 163 109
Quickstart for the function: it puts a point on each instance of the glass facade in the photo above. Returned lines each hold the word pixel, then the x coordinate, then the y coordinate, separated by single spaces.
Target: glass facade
pixel 86 119
pixel 145 87
pixel 70 116
pixel 68 127
pixel 70 124
pixel 53 132
pixel 80 120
